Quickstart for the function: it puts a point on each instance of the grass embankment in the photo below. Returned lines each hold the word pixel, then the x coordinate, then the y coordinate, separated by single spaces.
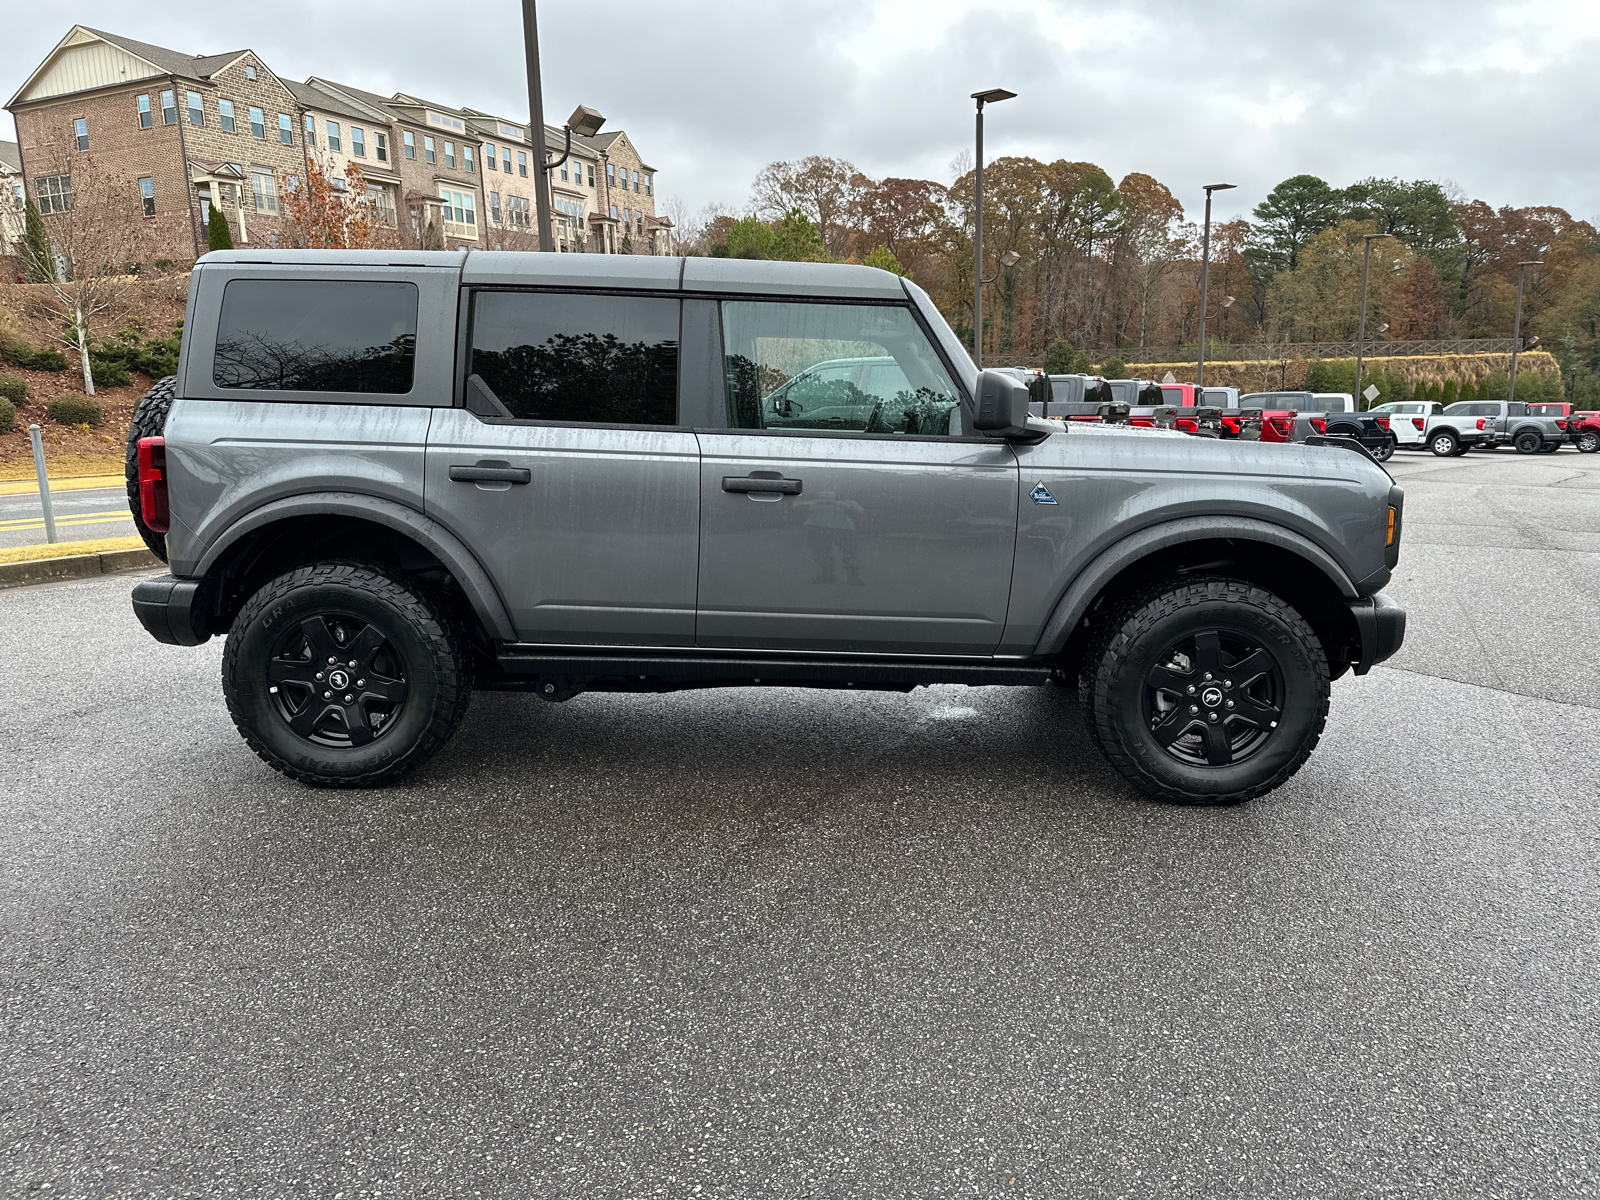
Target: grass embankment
pixel 14 554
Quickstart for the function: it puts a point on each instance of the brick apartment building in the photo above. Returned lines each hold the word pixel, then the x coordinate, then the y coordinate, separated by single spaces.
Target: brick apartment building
pixel 223 130
pixel 12 197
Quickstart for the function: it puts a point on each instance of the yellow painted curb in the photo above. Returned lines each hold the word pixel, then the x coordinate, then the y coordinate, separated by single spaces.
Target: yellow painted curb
pixel 15 554
pixel 76 483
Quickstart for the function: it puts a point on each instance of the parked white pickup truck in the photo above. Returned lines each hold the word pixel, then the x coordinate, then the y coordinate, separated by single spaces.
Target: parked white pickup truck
pixel 1408 420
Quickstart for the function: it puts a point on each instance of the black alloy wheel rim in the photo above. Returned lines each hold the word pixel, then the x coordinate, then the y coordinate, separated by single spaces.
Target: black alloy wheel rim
pixel 1214 699
pixel 336 680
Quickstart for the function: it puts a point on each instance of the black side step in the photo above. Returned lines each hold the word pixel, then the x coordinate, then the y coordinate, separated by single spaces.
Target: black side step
pixel 714 670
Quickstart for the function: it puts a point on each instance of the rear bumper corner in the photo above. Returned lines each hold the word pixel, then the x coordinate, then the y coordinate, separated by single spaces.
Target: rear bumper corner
pixel 172 610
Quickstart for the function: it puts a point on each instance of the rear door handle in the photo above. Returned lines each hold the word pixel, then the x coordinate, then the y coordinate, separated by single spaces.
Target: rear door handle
pixel 748 483
pixel 490 474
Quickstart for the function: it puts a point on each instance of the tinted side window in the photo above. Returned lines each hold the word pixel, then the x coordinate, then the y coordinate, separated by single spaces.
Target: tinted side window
pixel 1460 410
pixel 853 368
pixel 317 335
pixel 583 360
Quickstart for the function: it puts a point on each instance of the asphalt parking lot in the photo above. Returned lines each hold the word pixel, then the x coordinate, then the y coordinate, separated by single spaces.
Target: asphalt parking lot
pixel 775 944
pixel 86 514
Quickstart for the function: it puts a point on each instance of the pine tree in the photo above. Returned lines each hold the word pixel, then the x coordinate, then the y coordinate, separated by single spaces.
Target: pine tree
pixel 1434 390
pixel 218 235
pixel 36 247
pixel 1448 396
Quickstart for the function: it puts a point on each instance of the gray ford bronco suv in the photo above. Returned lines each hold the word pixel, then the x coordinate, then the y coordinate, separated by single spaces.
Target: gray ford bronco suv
pixel 390 478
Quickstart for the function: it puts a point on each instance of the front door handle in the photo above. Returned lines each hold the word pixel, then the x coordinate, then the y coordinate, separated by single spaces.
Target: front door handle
pixel 490 474
pixel 757 483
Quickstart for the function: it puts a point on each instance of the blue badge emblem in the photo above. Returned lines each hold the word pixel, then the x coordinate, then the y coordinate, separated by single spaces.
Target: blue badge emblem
pixel 1041 494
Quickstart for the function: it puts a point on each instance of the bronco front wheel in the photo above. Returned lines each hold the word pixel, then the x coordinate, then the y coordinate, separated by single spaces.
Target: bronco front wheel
pixel 1208 691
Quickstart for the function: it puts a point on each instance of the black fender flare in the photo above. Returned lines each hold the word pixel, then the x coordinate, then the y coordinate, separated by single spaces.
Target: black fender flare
pixel 424 531
pixel 1110 562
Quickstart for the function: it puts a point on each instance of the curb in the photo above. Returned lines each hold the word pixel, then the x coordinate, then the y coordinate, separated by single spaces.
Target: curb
pixel 75 566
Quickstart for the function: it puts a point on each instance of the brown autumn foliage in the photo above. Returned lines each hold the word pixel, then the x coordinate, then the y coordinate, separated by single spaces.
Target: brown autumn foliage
pixel 334 212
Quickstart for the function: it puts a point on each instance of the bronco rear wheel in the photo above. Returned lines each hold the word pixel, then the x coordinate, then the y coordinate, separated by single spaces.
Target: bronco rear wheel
pixel 1209 691
pixel 345 675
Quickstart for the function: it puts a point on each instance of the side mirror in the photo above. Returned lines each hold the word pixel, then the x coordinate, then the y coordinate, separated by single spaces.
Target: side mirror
pixel 1002 404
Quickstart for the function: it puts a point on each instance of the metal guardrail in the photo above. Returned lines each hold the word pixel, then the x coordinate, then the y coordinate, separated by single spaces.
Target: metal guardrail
pixel 1277 352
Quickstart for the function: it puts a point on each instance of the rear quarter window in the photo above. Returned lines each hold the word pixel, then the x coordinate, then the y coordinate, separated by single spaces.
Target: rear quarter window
pixel 317 335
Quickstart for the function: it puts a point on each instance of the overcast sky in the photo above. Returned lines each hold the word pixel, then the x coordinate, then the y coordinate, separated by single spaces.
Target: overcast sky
pixel 1502 99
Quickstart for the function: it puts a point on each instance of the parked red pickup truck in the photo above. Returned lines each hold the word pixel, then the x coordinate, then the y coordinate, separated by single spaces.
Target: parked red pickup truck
pixel 1583 427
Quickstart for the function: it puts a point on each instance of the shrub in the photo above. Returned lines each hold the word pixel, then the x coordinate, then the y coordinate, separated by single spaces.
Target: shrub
pixel 8 416
pixel 107 372
pixel 1114 368
pixel 218 235
pixel 37 360
pixel 73 408
pixel 13 388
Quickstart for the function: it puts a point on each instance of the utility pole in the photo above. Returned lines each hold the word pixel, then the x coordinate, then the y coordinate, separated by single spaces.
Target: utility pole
pixel 541 183
pixel 1205 278
pixel 992 96
pixel 1361 330
pixel 1516 330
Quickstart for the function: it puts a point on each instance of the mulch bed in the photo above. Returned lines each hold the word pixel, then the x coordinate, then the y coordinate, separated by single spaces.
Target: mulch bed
pixel 109 437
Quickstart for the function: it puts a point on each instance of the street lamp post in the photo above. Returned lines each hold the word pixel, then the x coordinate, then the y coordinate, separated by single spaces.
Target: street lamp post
pixel 992 96
pixel 1361 328
pixel 1516 330
pixel 1205 278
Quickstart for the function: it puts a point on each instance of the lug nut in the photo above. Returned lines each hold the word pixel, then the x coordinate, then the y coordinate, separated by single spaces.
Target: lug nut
pixel 319 674
pixel 352 662
pixel 331 661
pixel 1191 686
pixel 1213 716
pixel 327 695
pixel 361 683
pixel 1194 708
pixel 349 699
pixel 1229 703
pixel 1208 676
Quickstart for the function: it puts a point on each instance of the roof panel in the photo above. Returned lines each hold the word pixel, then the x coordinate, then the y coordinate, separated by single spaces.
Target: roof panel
pixel 791 279
pixel 512 268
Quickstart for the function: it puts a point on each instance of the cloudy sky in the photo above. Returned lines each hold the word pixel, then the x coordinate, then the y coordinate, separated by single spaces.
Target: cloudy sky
pixel 1502 99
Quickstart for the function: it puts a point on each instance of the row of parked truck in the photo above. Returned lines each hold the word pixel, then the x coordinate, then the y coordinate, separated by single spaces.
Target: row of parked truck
pixel 1295 416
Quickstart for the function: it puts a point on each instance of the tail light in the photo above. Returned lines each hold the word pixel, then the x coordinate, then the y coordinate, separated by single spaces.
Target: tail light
pixel 1231 424
pixel 1319 424
pixel 1383 422
pixel 1420 423
pixel 1561 424
pixel 153 483
pixel 1188 426
pixel 1480 422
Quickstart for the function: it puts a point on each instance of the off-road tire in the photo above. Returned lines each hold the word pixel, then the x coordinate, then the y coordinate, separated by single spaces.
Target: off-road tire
pixel 427 641
pixel 1588 443
pixel 1386 451
pixel 1444 445
pixel 149 419
pixel 1549 447
pixel 1528 443
pixel 1115 667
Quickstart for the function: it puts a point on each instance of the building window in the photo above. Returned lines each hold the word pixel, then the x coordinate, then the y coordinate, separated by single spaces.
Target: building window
pixel 611 175
pixel 457 208
pixel 505 159
pixel 563 170
pixel 517 210
pixel 450 154
pixel 522 163
pixel 197 113
pixel 258 123
pixel 410 144
pixel 488 155
pixel 145 119
pixel 428 154
pixel 636 181
pixel 80 130
pixel 285 129
pixel 311 132
pixel 147 196
pixel 380 146
pixel 379 198
pixel 358 141
pixel 494 206
pixel 591 174
pixel 264 190
pixel 613 212
pixel 54 193
pixel 169 108
pixel 225 116
pixel 649 185
pixel 249 72
pixel 466 159
pixel 334 142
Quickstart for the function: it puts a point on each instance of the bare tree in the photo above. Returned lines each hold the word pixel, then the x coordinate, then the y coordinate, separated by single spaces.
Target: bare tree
pixel 99 240
pixel 825 189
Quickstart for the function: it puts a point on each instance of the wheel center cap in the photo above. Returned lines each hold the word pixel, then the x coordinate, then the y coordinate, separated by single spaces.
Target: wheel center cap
pixel 340 679
pixel 1211 697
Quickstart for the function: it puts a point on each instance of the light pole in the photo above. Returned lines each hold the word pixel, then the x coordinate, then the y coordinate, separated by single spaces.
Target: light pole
pixel 1516 331
pixel 1205 278
pixel 1361 329
pixel 992 96
pixel 541 185
pixel 586 123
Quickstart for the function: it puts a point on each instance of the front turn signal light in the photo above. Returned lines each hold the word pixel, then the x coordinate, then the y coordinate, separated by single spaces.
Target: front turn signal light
pixel 1389 540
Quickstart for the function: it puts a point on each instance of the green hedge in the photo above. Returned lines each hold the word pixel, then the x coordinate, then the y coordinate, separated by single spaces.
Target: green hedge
pixel 8 416
pixel 74 409
pixel 13 388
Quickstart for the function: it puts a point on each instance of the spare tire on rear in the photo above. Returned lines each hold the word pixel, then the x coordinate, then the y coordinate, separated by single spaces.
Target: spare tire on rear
pixel 149 419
